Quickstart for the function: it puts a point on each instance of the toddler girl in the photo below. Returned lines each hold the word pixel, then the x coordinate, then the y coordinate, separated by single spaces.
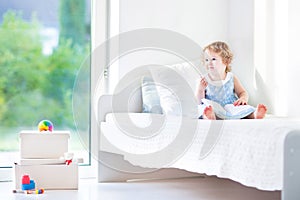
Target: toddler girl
pixel 221 85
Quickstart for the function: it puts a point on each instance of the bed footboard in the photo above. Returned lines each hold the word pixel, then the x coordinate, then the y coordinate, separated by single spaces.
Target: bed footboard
pixel 291 175
pixel 107 160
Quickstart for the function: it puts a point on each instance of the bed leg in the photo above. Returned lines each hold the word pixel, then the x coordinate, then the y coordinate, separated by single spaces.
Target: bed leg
pixel 107 174
pixel 291 168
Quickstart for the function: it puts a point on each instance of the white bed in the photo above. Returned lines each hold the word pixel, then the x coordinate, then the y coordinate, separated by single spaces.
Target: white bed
pixel 264 154
pixel 247 151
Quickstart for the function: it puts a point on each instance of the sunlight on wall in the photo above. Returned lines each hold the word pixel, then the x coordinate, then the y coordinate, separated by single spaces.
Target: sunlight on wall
pixel 271 50
pixel 260 52
pixel 294 64
pixel 281 55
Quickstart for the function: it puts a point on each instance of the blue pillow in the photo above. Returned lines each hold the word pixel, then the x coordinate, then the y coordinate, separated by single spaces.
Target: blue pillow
pixel 150 98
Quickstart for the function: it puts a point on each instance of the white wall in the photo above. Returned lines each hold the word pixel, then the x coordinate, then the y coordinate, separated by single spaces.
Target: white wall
pixel 200 20
pixel 241 41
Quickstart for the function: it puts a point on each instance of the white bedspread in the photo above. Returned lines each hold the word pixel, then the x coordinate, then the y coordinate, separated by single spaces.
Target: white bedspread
pixel 247 151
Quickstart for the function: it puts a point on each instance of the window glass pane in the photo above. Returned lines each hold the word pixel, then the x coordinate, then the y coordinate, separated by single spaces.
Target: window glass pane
pixel 42 46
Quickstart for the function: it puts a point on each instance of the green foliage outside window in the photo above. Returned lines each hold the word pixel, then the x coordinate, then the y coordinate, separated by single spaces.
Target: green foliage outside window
pixel 72 24
pixel 34 86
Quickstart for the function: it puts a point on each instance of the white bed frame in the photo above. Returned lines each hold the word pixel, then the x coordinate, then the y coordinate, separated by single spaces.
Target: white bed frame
pixel 291 182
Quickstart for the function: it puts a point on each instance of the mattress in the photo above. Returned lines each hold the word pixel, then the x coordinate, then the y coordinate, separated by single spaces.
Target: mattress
pixel 248 151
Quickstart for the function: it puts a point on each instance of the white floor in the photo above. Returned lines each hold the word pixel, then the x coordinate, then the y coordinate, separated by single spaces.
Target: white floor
pixel 209 188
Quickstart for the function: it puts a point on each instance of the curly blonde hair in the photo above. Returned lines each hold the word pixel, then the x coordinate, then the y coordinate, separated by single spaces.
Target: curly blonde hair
pixel 223 50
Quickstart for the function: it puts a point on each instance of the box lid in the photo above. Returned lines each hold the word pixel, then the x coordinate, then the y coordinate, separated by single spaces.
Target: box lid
pixel 42 161
pixel 36 132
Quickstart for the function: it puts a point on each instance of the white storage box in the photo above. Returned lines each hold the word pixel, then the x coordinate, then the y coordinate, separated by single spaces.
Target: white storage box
pixel 35 144
pixel 49 176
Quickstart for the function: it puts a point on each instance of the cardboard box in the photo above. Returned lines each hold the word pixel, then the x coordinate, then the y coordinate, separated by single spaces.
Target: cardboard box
pixel 35 144
pixel 49 176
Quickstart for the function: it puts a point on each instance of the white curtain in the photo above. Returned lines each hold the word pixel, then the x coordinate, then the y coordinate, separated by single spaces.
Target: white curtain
pixel 276 38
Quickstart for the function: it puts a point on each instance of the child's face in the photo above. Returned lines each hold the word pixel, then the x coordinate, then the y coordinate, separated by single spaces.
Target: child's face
pixel 214 64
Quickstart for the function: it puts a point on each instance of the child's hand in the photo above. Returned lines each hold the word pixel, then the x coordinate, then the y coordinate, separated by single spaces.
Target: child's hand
pixel 200 92
pixel 240 101
pixel 202 84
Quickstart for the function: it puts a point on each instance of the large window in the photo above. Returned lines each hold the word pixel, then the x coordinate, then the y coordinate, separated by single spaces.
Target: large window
pixel 44 48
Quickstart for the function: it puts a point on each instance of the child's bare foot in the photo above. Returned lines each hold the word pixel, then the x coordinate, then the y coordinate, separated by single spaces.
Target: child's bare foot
pixel 260 112
pixel 208 113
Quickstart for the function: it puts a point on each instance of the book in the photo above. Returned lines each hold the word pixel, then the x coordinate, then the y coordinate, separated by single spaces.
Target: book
pixel 229 111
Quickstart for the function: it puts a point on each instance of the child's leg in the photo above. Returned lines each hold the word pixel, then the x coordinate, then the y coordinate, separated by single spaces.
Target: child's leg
pixel 208 113
pixel 259 113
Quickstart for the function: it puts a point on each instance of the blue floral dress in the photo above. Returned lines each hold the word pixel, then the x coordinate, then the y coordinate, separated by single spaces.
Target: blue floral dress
pixel 223 93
